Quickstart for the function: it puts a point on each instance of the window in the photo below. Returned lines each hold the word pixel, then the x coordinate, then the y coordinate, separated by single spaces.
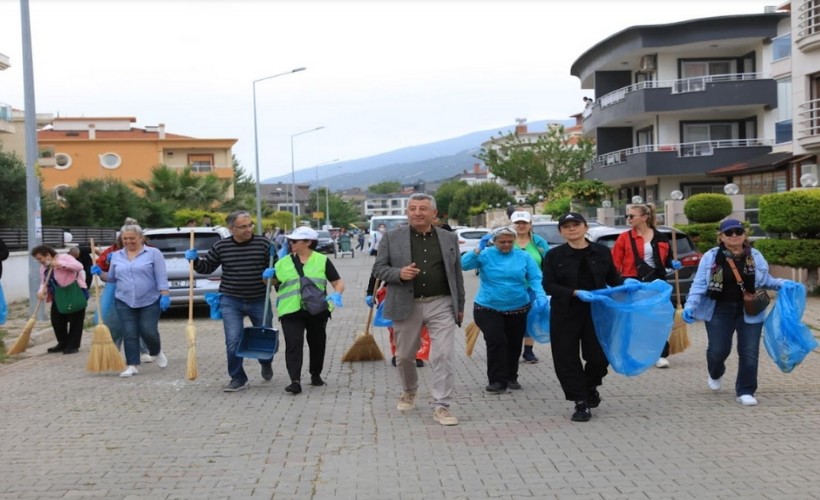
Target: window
pixel 645 137
pixel 110 160
pixel 695 74
pixel 782 47
pixel 704 136
pixel 63 161
pixel 201 163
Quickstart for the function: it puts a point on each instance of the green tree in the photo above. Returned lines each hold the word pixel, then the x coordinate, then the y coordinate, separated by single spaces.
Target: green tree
pixel 487 194
pixel 589 192
pixel 445 194
pixel 342 213
pixel 181 188
pixel 385 187
pixel 12 190
pixel 244 192
pixel 542 165
pixel 94 203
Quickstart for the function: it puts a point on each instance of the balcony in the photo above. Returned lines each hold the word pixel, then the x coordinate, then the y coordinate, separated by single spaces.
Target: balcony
pixel 690 158
pixel 808 124
pixel 708 92
pixel 5 119
pixel 807 37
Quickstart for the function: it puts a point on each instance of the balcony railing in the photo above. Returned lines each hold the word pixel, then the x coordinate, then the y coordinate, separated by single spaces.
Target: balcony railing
pixel 5 112
pixel 809 122
pixel 808 19
pixel 685 85
pixel 683 150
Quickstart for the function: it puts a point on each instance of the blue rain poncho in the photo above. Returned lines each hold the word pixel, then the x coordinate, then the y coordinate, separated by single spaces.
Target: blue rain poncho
pixel 632 323
pixel 787 340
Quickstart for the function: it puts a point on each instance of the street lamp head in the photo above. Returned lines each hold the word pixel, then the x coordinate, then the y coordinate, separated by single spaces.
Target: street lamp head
pixel 637 199
pixel 296 70
pixel 731 189
pixel 676 195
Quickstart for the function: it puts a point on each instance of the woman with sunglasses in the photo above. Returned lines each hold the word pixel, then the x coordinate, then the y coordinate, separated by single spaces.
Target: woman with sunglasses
pixel 644 253
pixel 502 303
pixel 537 247
pixel 716 297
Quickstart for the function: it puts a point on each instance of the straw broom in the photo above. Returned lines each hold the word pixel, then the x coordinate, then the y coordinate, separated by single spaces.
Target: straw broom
pixel 104 356
pixel 679 338
pixel 190 330
pixel 471 332
pixel 364 348
pixel 22 342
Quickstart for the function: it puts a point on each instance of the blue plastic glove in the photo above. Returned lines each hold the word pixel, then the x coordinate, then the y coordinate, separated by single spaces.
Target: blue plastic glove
pixel 688 316
pixel 482 243
pixel 96 270
pixel 585 295
pixel 268 273
pixel 540 303
pixel 369 301
pixel 191 254
pixel 164 302
pixel 108 258
pixel 336 298
pixel 676 265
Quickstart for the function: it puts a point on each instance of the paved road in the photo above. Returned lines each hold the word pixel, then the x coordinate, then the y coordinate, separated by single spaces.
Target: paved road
pixel 663 434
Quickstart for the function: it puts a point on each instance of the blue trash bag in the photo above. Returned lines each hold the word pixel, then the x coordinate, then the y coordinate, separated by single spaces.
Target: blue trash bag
pixel 212 298
pixel 379 319
pixel 787 340
pixel 109 313
pixel 632 323
pixel 4 308
pixel 538 325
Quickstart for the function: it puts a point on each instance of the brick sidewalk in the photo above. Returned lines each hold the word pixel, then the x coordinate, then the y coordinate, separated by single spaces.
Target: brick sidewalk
pixel 662 434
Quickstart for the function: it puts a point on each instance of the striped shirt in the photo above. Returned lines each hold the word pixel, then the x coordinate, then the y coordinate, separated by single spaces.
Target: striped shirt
pixel 242 266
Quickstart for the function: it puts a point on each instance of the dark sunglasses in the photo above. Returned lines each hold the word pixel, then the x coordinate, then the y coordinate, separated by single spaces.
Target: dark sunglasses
pixel 734 232
pixel 632 216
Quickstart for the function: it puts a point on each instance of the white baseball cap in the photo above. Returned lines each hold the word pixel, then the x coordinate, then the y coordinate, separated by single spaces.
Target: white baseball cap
pixel 303 233
pixel 520 215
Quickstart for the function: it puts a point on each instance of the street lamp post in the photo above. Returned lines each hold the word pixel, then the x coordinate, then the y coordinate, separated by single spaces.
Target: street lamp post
pixel 256 148
pixel 293 170
pixel 318 221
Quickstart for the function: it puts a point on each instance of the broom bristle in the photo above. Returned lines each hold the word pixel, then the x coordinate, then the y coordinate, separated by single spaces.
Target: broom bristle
pixel 471 332
pixel 22 342
pixel 679 338
pixel 190 332
pixel 104 357
pixel 364 348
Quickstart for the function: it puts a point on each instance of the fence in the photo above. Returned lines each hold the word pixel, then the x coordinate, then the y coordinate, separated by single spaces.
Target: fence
pixel 17 238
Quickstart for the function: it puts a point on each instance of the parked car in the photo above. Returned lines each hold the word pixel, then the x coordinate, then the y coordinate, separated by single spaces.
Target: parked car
pixel 325 243
pixel 469 237
pixel 549 231
pixel 688 254
pixel 172 242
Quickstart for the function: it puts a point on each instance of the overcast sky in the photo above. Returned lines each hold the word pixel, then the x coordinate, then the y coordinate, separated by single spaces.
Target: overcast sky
pixel 380 75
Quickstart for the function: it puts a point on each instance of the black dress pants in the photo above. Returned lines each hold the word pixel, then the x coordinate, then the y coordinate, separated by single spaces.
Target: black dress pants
pixel 504 335
pixel 295 328
pixel 567 333
pixel 68 328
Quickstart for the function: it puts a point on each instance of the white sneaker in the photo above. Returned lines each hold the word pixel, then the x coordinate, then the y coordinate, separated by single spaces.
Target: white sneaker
pixel 714 384
pixel 146 358
pixel 130 371
pixel 162 361
pixel 443 416
pixel 662 363
pixel 747 400
pixel 407 401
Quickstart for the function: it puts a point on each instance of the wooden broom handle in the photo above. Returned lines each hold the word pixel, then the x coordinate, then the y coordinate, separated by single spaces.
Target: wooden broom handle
pixel 96 283
pixel 372 308
pixel 191 284
pixel 675 256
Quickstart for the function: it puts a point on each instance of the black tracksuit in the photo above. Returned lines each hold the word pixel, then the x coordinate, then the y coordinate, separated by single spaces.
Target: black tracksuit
pixel 565 270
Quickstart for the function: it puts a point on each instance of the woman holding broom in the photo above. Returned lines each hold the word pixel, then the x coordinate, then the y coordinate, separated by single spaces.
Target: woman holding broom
pixel 142 292
pixel 644 253
pixel 65 270
pixel 296 321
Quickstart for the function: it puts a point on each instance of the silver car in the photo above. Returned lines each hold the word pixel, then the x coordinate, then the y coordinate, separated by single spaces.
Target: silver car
pixel 173 242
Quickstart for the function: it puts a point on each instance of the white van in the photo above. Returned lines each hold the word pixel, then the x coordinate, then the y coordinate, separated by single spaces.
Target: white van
pixel 390 221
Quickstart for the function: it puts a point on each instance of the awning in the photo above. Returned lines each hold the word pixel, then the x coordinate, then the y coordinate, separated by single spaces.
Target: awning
pixel 762 163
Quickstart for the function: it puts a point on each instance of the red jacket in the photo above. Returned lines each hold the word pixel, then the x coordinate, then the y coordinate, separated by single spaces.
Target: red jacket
pixel 623 255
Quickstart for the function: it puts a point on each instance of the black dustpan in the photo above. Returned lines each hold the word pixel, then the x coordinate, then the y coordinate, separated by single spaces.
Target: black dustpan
pixel 260 342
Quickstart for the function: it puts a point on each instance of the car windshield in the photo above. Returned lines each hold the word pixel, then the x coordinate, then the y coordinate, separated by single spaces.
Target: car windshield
pixel 171 243
pixel 472 235
pixel 549 232
pixel 323 234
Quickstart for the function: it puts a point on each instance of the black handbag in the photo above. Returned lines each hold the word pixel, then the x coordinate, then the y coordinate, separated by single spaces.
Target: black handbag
pixel 646 273
pixel 753 303
pixel 314 299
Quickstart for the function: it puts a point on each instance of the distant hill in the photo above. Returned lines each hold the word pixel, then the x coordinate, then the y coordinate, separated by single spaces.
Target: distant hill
pixel 427 162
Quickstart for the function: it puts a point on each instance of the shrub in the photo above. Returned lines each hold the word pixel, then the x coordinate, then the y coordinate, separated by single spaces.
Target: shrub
pixel 704 235
pixel 707 207
pixel 796 212
pixel 790 253
pixel 558 207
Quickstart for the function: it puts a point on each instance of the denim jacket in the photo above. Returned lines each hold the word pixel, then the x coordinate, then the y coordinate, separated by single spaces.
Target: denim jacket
pixel 703 307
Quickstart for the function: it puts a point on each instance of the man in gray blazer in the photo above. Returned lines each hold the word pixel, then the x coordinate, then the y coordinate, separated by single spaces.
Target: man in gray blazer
pixel 422 266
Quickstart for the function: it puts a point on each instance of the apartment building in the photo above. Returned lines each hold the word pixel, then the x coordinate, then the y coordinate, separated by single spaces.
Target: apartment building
pixel 674 102
pixel 6 126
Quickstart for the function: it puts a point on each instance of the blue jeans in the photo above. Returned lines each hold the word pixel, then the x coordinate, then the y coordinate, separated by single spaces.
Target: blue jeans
pixel 139 323
pixel 728 319
pixel 234 311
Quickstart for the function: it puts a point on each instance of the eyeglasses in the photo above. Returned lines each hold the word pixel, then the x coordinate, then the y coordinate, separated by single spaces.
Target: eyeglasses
pixel 632 216
pixel 734 232
pixel 244 226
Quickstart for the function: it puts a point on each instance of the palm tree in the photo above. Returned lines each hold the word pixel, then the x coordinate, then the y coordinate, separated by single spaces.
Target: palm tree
pixel 183 188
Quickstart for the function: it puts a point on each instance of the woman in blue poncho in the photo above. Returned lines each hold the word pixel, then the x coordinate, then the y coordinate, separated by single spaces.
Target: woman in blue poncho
pixel 502 303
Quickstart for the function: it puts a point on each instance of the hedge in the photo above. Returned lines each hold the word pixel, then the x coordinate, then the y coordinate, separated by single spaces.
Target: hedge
pixel 790 253
pixel 796 212
pixel 707 207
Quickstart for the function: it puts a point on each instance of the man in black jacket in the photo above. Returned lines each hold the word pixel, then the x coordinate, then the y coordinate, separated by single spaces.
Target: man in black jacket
pixel 4 254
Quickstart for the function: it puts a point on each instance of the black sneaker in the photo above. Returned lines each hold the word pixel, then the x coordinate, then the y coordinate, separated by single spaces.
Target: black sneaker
pixel 316 380
pixel 267 371
pixel 294 388
pixel 582 412
pixel 235 385
pixel 530 358
pixel 514 385
pixel 419 363
pixel 56 348
pixel 496 388
pixel 393 361
pixel 594 398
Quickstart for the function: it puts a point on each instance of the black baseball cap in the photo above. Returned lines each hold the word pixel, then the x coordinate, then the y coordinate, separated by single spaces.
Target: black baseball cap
pixel 571 217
